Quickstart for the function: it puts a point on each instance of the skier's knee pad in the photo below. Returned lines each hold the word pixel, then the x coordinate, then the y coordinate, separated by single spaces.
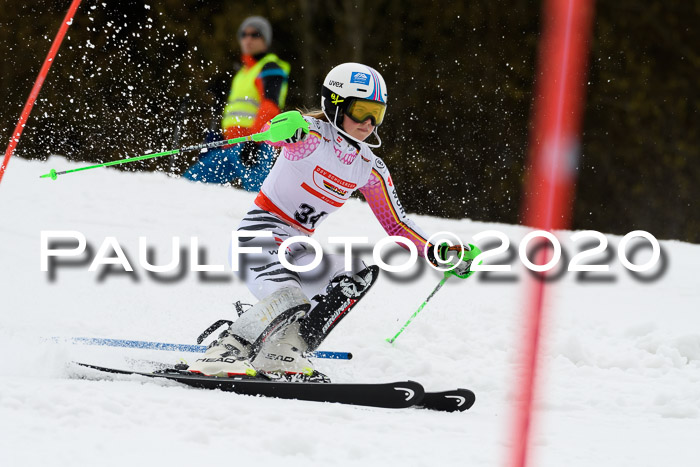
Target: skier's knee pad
pixel 269 315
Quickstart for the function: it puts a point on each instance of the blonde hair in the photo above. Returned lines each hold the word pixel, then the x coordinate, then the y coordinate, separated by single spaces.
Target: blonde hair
pixel 314 113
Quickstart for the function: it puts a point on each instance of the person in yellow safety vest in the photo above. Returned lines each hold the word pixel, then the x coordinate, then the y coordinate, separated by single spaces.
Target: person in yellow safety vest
pixel 258 93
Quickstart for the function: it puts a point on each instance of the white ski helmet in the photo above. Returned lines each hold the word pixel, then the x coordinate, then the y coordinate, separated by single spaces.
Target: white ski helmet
pixel 357 91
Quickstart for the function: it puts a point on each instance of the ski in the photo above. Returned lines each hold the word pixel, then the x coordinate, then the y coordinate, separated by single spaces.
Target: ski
pixel 456 400
pixel 448 401
pixel 396 395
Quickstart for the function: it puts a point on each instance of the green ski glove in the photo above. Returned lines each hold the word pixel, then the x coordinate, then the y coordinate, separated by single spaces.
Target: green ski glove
pixel 466 253
pixel 283 127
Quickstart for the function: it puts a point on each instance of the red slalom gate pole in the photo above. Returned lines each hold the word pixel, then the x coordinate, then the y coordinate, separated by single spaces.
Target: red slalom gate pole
pixel 554 149
pixel 67 21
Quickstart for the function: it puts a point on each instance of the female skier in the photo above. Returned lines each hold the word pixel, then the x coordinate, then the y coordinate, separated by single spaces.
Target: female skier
pixel 315 174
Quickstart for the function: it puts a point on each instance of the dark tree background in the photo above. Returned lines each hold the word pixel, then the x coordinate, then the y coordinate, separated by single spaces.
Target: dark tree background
pixel 134 76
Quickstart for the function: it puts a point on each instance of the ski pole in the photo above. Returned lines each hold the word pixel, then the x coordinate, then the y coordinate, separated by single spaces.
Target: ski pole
pixel 465 255
pixel 439 286
pixel 282 127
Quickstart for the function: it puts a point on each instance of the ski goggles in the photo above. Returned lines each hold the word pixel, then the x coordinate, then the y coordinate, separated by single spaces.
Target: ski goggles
pixel 360 110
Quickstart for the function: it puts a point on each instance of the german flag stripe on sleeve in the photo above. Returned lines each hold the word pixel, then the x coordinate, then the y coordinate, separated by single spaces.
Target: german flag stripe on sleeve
pixel 394 213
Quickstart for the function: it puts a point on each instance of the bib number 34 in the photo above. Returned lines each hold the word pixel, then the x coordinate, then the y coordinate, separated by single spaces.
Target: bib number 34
pixel 305 215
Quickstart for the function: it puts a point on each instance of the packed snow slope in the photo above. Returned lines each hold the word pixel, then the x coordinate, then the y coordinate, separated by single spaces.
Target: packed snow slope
pixel 620 381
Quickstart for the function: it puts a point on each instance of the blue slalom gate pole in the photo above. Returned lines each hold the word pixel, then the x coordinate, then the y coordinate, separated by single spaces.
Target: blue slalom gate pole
pixel 132 344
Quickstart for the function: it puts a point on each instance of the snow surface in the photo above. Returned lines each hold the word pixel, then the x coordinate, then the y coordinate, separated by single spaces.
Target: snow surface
pixel 620 382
